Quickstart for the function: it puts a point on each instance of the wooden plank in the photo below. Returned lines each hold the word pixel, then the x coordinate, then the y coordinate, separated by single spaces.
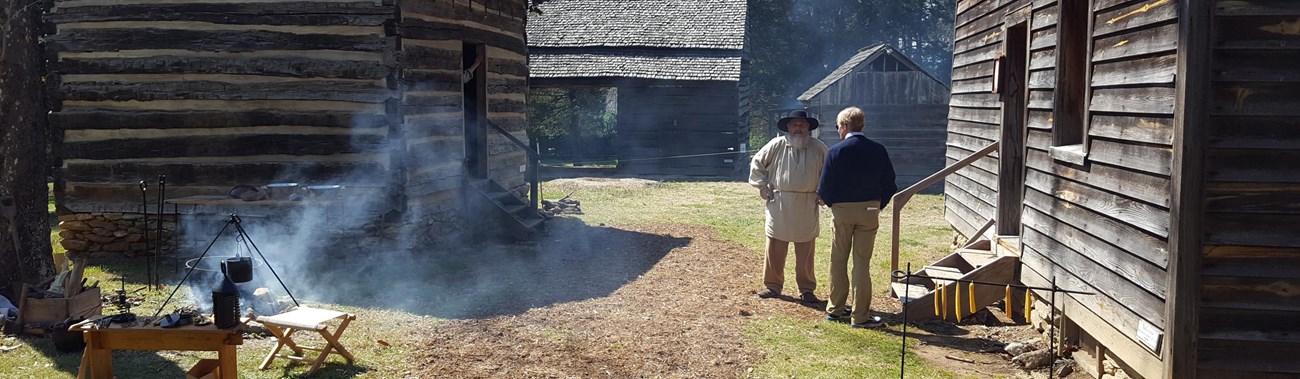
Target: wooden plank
pixel 1042 59
pixel 989 37
pixel 224 146
pixel 91 119
pixel 1247 359
pixel 1148 100
pixel 1041 99
pixel 1252 165
pixel 1103 254
pixel 1151 189
pixel 976 100
pixel 1146 305
pixel 1044 17
pixel 1100 316
pixel 1141 215
pixel 1155 130
pixel 976 86
pixel 1273 65
pixel 1262 32
pixel 1253 197
pixel 259 13
pixel 436 30
pixel 980 55
pixel 341 90
pixel 1042 39
pixel 225 174
pixel 1161 39
pixel 980 115
pixel 1250 295
pixel 1146 246
pixel 1263 99
pixel 1154 70
pixel 301 67
pixel 1251 229
pixel 1042 79
pixel 983 131
pixel 1040 120
pixel 973 71
pixel 1152 159
pixel 211 40
pixel 1137 15
pixel 1256 8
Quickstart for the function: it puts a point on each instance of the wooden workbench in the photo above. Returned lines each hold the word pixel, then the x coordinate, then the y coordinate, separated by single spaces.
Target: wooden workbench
pixel 101 342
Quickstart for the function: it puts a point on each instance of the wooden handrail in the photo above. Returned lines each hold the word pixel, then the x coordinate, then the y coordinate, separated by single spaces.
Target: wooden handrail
pixel 534 159
pixel 900 199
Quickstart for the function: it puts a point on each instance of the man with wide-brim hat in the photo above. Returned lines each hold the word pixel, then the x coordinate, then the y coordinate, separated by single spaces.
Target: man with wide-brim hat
pixel 786 172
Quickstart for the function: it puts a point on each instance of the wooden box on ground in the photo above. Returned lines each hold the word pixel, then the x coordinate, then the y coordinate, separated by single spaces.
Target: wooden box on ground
pixel 54 310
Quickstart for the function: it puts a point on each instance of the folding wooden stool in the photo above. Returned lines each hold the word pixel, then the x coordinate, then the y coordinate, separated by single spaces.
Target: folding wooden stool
pixel 284 325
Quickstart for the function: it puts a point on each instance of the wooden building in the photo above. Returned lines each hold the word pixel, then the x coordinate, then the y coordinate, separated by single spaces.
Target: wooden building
pixel 676 66
pixel 1143 151
pixel 398 100
pixel 906 108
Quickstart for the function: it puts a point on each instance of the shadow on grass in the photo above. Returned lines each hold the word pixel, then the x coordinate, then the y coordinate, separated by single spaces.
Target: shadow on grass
pixel 327 370
pixel 572 262
pixel 126 364
pixel 944 334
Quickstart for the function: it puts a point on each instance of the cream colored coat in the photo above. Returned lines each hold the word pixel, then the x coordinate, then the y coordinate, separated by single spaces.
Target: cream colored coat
pixel 793 174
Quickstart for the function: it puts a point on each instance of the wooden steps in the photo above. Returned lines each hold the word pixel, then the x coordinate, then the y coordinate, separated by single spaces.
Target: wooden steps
pixel 954 273
pixel 514 211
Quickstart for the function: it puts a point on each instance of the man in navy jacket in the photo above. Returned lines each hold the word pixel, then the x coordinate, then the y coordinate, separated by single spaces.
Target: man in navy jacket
pixel 857 180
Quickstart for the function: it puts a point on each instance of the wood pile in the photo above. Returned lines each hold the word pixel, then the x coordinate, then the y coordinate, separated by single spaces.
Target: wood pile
pixel 562 206
pixel 58 299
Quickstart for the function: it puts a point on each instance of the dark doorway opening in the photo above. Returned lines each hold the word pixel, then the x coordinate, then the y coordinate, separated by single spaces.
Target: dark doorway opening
pixel 474 78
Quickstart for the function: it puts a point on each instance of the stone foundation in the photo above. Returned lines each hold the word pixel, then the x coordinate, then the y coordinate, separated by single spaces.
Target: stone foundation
pixel 115 233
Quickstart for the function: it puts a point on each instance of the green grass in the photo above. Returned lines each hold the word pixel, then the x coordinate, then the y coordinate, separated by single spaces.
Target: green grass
pixel 794 348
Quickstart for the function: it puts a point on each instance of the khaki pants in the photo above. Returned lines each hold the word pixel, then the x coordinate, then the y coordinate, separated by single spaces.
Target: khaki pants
pixel 855 226
pixel 774 266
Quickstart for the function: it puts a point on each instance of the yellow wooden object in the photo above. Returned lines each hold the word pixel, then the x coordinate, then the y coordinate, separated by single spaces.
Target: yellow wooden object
pixel 956 301
pixel 972 298
pixel 1007 302
pixel 1029 303
pixel 943 296
pixel 936 305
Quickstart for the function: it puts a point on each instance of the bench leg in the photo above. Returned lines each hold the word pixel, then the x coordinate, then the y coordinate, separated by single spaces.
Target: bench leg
pixel 283 338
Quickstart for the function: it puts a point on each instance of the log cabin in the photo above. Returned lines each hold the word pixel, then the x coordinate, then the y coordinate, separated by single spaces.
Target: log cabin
pixel 906 109
pixel 677 67
pixel 417 106
pixel 1143 152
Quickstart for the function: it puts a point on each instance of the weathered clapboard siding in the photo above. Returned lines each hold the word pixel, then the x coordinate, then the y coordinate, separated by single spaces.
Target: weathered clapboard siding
pixel 1101 226
pixel 1248 310
pixel 215 95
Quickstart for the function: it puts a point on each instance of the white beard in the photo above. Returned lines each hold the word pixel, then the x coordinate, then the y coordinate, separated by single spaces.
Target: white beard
pixel 798 141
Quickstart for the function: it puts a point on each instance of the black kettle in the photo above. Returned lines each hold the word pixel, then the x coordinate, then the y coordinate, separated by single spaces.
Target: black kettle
pixel 238 269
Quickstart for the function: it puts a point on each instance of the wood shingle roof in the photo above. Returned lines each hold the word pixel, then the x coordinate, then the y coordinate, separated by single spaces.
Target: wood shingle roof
pixel 650 39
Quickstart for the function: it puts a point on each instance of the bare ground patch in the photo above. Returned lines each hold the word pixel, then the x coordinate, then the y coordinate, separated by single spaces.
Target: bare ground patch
pixel 685 317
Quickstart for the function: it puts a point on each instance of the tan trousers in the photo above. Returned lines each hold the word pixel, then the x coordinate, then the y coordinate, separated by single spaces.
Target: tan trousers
pixel 855 226
pixel 774 266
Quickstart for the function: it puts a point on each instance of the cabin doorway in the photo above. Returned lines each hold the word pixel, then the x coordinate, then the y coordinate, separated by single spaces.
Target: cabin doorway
pixel 474 79
pixel 1011 162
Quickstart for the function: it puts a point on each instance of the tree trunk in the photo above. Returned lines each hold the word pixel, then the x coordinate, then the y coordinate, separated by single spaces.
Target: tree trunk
pixel 23 142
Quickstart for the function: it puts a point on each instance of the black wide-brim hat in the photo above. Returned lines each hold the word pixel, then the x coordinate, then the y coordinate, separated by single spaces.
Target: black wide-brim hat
pixel 799 113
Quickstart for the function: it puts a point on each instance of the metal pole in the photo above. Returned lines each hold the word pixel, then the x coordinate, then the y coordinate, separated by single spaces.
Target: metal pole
pixel 144 210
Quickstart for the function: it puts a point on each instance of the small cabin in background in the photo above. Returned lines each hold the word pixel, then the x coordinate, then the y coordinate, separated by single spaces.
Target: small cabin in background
pixel 677 67
pixel 1145 153
pixel 413 105
pixel 905 106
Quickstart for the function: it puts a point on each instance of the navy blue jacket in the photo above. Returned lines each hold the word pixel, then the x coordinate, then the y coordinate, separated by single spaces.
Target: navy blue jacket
pixel 857 169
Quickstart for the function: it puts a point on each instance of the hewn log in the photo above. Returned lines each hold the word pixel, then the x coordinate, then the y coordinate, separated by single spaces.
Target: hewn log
pixel 202 119
pixel 229 174
pixel 341 90
pixel 224 146
pixel 263 13
pixel 214 40
pixel 300 67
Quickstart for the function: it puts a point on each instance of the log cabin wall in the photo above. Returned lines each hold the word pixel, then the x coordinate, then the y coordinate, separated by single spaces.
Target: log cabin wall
pixel 906 109
pixel 1099 223
pixel 217 94
pixel 436 36
pixel 1251 263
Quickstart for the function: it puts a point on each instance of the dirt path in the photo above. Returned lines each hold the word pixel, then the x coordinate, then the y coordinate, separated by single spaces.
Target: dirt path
pixel 684 317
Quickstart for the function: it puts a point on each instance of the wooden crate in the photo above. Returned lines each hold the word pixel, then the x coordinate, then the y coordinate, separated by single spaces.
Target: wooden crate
pixel 35 311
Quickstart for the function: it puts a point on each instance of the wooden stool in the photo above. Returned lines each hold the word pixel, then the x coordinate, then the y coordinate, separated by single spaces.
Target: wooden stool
pixel 306 319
